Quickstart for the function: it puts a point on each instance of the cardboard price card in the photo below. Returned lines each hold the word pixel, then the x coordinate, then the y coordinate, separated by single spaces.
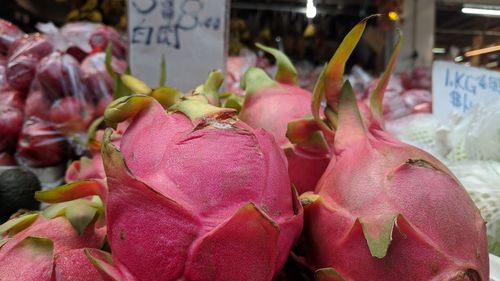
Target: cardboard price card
pixel 191 34
pixel 457 88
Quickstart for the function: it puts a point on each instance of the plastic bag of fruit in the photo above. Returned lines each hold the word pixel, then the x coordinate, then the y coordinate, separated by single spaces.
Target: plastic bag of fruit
pixel 52 86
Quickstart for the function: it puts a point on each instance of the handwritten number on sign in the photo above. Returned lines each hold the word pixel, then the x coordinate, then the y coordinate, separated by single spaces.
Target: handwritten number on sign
pixel 142 34
pixel 168 33
pixel 144 9
pixel 167 9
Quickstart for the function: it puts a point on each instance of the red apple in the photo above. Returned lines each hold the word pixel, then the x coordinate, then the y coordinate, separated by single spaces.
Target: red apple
pixel 71 115
pixel 99 83
pixel 37 104
pixel 11 121
pixel 11 97
pixel 59 75
pixel 102 36
pixel 8 34
pixel 40 145
pixel 24 56
pixel 7 159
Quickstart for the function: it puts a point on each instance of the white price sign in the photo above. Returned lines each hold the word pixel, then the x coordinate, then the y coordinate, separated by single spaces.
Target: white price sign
pixel 191 34
pixel 458 88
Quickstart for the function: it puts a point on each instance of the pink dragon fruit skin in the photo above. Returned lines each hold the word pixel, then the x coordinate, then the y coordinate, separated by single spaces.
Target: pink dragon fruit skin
pixel 232 209
pixel 384 210
pixel 272 105
pixel 36 248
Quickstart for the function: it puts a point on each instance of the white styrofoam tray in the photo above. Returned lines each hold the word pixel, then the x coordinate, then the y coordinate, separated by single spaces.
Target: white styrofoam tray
pixel 494 268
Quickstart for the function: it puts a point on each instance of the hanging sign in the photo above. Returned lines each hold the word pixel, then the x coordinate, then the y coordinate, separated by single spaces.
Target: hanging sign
pixel 191 34
pixel 458 88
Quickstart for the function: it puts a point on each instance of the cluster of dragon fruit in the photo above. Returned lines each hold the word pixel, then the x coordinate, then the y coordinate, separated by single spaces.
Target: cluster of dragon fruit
pixel 52 86
pixel 279 184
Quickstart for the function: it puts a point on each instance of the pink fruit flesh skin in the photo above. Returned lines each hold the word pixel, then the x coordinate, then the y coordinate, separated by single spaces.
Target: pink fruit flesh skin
pixel 271 109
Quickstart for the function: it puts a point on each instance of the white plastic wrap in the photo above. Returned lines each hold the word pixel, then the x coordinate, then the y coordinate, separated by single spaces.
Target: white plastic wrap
pixel 470 146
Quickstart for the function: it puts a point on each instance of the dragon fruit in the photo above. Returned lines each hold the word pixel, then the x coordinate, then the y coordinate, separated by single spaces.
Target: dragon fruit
pixel 232 208
pixel 385 210
pixel 50 245
pixel 276 105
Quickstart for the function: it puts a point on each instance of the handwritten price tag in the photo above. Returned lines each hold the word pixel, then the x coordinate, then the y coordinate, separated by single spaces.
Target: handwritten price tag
pixel 458 88
pixel 191 34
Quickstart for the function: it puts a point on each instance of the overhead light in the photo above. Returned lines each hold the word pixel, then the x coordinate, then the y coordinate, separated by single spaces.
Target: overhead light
pixel 482 51
pixel 393 15
pixel 459 59
pixel 310 9
pixel 439 50
pixel 485 10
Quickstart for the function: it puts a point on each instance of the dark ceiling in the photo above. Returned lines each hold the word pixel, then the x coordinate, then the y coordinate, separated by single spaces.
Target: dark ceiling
pixel 458 29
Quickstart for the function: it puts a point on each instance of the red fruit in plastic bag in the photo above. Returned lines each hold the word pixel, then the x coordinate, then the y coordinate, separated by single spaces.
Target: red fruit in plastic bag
pixel 102 36
pixel 60 75
pixel 77 34
pixel 37 104
pixel 8 34
pixel 96 77
pixel 40 145
pixel 35 44
pixel 21 71
pixel 71 115
pixel 11 97
pixel 7 159
pixel 11 122
pixel 24 56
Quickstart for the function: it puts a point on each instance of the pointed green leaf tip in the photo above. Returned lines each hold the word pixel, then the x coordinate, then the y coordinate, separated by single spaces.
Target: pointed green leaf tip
pixel 256 79
pixel 234 101
pixel 135 85
pixel 286 72
pixel 107 61
pixel 377 96
pixel 38 246
pixel 306 133
pixel 378 232
pixel 166 96
pixel 196 109
pixel 163 72
pixel 336 66
pixel 80 216
pixel 16 225
pixel 124 108
pixel 328 274
pixel 102 261
pixel 210 89
pixel 80 213
pixel 317 96
pixel 71 191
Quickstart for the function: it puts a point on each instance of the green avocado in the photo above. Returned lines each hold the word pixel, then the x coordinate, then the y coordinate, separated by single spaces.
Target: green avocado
pixel 17 190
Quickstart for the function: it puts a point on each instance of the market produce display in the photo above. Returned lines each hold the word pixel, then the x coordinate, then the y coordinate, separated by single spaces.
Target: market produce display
pixel 52 86
pixel 201 186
